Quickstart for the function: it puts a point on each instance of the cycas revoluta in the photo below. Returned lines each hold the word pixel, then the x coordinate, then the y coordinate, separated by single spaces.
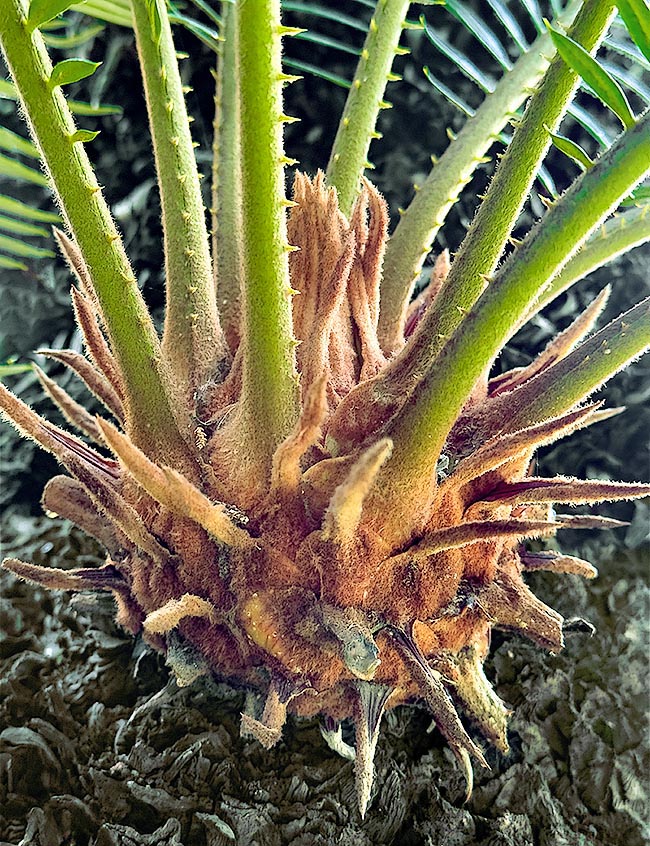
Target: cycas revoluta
pixel 311 487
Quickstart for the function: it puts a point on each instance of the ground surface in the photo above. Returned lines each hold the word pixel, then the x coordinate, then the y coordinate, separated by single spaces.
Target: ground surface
pixel 97 747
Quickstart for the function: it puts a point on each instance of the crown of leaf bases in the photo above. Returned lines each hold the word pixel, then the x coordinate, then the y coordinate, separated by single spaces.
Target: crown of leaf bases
pixel 332 562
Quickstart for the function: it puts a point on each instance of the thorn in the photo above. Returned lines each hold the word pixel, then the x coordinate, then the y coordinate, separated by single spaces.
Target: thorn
pixel 402 51
pixel 288 119
pixel 394 77
pixel 290 248
pixel 373 25
pixel 385 104
pixel 376 134
pixel 451 134
pixel 343 515
pixel 286 160
pixel 288 77
pixel 289 30
pixel 288 204
pixel 372 701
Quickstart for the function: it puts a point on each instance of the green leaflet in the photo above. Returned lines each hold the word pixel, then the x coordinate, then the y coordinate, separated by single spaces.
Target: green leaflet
pixel 20 248
pixel 70 42
pixel 17 144
pixel 636 16
pixel 571 149
pixel 12 264
pixel 72 70
pixel 479 29
pixel 595 75
pixel 204 33
pixel 637 197
pixel 19 227
pixel 15 207
pixel 154 20
pixel 42 11
pixel 113 11
pixel 7 90
pixel 13 369
pixel 17 170
pixel 84 135
pixel 79 107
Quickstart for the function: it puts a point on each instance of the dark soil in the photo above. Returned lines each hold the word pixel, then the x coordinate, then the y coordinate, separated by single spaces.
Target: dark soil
pixel 98 746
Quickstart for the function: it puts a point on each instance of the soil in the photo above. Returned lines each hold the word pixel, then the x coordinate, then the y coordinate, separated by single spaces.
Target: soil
pixel 99 748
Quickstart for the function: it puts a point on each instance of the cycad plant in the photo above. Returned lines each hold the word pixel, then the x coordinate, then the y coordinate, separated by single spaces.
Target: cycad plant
pixel 311 487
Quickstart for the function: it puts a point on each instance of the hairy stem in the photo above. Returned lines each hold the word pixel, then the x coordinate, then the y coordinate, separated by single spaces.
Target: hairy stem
pixel 226 185
pixel 356 130
pixel 624 231
pixel 411 241
pixel 269 399
pixel 558 388
pixel 132 335
pixel 192 341
pixel 503 202
pixel 425 422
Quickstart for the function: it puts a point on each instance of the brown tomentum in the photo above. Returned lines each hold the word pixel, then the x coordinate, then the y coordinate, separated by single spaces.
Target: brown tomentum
pixel 296 586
